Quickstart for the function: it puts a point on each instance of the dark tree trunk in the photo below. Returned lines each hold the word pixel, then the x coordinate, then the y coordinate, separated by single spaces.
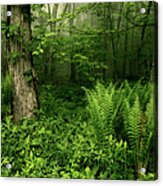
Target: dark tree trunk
pixel 142 40
pixel 20 62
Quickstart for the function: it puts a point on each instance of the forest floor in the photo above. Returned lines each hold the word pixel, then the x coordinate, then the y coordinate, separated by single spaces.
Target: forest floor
pixel 81 133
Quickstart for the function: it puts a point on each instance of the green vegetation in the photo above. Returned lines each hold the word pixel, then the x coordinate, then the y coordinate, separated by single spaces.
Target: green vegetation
pixel 79 91
pixel 102 135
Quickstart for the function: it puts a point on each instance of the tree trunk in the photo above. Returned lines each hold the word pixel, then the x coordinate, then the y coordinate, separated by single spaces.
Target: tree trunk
pixel 141 45
pixel 20 62
pixel 124 62
pixel 114 60
pixel 71 33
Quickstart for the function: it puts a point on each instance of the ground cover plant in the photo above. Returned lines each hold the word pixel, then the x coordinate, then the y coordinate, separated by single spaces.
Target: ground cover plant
pixel 106 134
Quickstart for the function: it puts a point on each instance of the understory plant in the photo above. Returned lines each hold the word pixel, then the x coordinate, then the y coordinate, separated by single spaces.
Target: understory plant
pixel 133 108
pixel 108 134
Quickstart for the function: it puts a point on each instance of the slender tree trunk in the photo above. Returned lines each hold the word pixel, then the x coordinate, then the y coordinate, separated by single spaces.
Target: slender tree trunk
pixel 52 59
pixel 124 63
pixel 142 39
pixel 50 15
pixel 55 13
pixel 105 40
pixel 121 65
pixel 71 33
pixel 20 62
pixel 61 23
pixel 111 21
pixel 119 24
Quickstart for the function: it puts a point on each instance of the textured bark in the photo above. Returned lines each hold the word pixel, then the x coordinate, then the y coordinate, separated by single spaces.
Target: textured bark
pixel 21 68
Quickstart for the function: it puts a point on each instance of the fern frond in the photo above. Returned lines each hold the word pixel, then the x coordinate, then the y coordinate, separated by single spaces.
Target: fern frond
pixel 132 115
pixel 102 109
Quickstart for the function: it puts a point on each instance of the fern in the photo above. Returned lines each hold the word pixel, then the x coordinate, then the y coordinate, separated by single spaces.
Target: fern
pixel 102 110
pixel 149 129
pixel 129 107
pixel 132 122
pixel 139 127
pixel 140 90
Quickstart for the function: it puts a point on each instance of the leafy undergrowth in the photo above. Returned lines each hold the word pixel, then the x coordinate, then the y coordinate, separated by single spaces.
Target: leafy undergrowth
pixel 84 133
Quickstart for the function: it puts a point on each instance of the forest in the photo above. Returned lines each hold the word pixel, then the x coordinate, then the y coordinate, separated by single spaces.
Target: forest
pixel 79 91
